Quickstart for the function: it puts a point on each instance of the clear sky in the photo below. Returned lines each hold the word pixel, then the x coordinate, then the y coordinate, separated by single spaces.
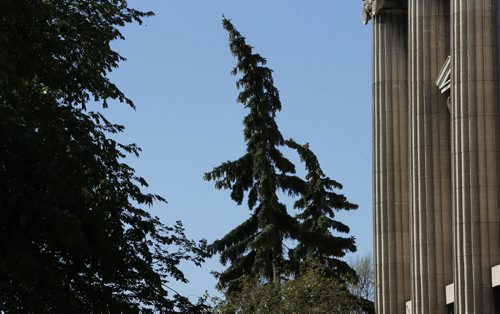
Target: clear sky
pixel 188 121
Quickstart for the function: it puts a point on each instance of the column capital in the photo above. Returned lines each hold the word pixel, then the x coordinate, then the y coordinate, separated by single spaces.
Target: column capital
pixel 374 7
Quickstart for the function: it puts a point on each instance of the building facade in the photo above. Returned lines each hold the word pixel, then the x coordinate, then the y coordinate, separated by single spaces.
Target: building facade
pixel 436 155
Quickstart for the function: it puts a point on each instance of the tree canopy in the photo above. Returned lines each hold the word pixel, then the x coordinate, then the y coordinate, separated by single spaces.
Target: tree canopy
pixel 313 292
pixel 256 248
pixel 318 203
pixel 74 232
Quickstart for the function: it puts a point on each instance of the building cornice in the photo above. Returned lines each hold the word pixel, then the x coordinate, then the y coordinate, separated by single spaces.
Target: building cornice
pixel 374 7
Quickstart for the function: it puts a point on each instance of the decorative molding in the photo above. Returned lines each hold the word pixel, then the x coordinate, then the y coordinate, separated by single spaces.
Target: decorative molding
pixel 373 7
pixel 443 81
pixel 367 12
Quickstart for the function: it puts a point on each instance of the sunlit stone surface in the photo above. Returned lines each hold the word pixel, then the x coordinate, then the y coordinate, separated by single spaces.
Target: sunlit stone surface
pixel 436 154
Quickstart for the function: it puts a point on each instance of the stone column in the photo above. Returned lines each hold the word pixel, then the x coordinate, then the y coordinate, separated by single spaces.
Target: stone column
pixel 430 177
pixel 390 161
pixel 475 139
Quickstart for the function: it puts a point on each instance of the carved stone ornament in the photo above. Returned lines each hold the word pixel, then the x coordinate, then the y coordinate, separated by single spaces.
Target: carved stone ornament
pixel 368 11
pixel 373 7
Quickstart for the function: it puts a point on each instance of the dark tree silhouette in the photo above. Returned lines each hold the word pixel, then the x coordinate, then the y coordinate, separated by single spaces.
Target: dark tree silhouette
pixel 255 249
pixel 74 234
pixel 318 204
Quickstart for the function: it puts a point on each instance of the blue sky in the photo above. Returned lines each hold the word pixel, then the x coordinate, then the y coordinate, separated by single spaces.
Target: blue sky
pixel 187 120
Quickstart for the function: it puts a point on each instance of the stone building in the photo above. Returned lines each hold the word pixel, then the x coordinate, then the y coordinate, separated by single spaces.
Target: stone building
pixel 436 155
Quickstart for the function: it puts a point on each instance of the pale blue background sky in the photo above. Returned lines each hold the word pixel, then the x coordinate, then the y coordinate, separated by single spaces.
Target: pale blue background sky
pixel 187 120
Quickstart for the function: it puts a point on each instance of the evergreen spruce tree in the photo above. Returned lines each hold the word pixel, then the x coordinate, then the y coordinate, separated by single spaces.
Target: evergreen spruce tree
pixel 317 205
pixel 255 248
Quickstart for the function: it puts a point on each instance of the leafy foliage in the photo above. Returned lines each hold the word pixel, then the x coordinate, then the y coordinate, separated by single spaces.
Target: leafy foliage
pixel 74 236
pixel 313 292
pixel 255 248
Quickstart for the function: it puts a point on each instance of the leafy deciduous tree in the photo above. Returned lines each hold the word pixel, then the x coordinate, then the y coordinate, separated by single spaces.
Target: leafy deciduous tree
pixel 362 287
pixel 313 292
pixel 74 236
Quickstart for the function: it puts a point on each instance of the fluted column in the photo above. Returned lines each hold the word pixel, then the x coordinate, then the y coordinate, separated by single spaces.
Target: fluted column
pixel 430 163
pixel 390 161
pixel 475 132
